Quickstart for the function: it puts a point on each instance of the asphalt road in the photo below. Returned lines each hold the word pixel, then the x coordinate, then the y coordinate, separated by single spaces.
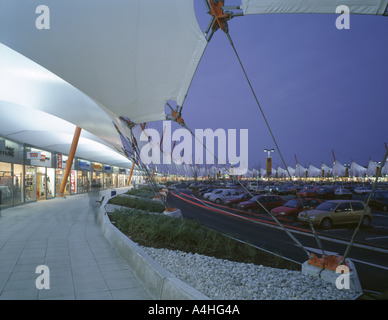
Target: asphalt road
pixel 369 253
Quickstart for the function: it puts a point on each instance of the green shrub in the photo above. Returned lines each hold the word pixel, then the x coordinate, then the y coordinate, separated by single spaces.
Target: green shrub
pixel 160 231
pixel 138 203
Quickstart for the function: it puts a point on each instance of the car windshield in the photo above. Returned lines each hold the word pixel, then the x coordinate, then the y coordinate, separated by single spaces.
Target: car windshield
pixel 254 198
pixel 326 206
pixel 292 203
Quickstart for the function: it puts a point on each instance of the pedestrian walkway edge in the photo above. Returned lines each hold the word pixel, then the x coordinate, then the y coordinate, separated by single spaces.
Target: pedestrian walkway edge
pixel 160 284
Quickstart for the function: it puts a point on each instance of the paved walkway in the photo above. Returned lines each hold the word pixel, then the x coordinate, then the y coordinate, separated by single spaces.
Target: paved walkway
pixel 64 235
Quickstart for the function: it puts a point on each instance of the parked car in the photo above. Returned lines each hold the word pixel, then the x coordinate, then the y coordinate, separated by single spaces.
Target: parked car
pixel 233 201
pixel 215 191
pixel 325 193
pixel 361 190
pixel 343 193
pixel 378 200
pixel 307 193
pixel 206 190
pixel 337 212
pixel 282 190
pixel 219 196
pixel 291 209
pixel 268 201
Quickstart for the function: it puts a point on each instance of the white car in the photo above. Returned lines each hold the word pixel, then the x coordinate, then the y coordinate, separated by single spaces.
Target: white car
pixel 361 190
pixel 219 197
pixel 208 194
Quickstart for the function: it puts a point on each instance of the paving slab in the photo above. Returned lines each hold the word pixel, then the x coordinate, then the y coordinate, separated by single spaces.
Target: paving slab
pixel 63 234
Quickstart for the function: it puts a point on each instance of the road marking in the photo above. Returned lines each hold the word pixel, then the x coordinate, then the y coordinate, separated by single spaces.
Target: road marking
pixel 289 228
pixel 374 238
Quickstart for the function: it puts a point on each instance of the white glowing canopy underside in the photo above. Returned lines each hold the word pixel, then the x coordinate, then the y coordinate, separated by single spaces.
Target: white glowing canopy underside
pixel 373 7
pixel 129 56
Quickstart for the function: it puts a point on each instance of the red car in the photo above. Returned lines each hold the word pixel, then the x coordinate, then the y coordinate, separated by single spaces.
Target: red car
pixel 308 193
pixel 267 201
pixel 234 201
pixel 290 210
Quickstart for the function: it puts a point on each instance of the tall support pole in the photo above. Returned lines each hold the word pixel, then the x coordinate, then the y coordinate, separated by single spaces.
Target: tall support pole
pixel 70 159
pixel 130 175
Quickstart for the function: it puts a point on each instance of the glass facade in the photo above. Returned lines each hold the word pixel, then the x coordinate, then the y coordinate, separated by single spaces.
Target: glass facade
pixel 30 174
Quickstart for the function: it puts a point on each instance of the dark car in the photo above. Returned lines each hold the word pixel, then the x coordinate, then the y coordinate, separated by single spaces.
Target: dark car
pixel 308 193
pixel 291 209
pixel 325 193
pixel 282 190
pixel 378 200
pixel 233 202
pixel 268 201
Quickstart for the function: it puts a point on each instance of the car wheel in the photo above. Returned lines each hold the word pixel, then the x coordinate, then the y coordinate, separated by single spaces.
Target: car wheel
pixel 249 210
pixel 365 222
pixel 385 208
pixel 326 223
pixel 218 201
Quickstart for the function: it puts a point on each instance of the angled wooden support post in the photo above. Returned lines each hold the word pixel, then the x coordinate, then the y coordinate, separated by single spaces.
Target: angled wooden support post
pixel 130 175
pixel 70 159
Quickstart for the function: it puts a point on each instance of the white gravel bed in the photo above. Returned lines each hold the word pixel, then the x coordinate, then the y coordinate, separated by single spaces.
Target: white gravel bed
pixel 226 280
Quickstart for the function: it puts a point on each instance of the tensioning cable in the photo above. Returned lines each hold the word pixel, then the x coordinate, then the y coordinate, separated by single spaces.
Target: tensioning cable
pixel 273 138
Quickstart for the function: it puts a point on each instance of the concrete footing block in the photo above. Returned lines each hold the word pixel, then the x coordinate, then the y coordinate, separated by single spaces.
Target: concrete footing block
pixel 344 278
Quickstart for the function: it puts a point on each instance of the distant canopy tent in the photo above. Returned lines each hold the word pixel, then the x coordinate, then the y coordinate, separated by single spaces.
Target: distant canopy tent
pixel 371 170
pixel 326 169
pixel 129 57
pixel 300 171
pixel 282 173
pixel 370 7
pixel 338 169
pixel 291 171
pixel 356 170
pixel 313 171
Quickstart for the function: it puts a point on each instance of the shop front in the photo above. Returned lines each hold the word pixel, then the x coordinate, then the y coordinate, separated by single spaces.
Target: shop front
pixel 11 173
pixel 39 175
pixel 83 176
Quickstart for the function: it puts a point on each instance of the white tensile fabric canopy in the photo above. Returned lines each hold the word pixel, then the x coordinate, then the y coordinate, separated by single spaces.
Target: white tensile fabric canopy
pixel 314 171
pixel 291 171
pixel 300 171
pixel 26 84
pixel 129 56
pixel 326 169
pixel 373 7
pixel 338 169
pixel 371 170
pixel 356 170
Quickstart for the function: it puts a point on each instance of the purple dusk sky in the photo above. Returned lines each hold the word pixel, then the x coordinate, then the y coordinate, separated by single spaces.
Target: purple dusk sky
pixel 321 88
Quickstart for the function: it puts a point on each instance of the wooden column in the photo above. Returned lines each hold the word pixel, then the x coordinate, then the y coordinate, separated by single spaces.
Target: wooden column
pixel 70 159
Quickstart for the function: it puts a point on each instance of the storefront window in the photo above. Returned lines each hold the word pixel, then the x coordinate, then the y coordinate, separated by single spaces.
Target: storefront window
pixel 40 183
pixel 58 182
pixel 5 184
pixel 50 180
pixel 83 181
pixel 30 184
pixel 18 182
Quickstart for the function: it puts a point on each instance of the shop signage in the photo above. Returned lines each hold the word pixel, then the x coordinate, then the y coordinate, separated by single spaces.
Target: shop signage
pixel 34 155
pixel 59 161
pixel 72 181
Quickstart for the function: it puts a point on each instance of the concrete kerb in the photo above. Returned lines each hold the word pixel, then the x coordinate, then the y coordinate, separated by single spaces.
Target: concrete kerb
pixel 160 284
